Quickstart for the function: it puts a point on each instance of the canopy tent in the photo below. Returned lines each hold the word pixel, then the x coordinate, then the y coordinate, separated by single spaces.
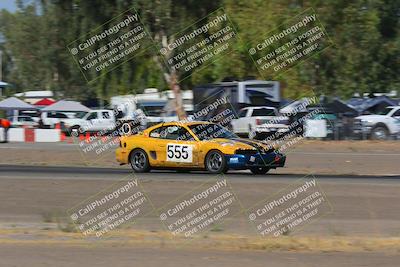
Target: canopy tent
pixel 371 105
pixel 45 102
pixel 14 103
pixel 64 105
pixel 339 107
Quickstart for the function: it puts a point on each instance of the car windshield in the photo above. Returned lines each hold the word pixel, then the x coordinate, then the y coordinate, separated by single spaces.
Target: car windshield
pixel 205 131
pixel 263 112
pixel 385 111
pixel 25 118
pixel 80 114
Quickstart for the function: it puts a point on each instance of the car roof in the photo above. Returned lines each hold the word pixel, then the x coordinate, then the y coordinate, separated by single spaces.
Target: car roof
pixel 187 123
pixel 259 107
pixel 177 123
pixel 19 116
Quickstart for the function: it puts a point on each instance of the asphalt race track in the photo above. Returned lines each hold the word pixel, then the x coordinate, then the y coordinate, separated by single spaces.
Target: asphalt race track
pixel 362 206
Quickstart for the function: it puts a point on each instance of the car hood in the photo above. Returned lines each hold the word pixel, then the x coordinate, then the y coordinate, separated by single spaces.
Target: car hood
pixel 370 117
pixel 242 143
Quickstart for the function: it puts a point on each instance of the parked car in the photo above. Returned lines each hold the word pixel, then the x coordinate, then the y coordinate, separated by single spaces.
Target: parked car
pixel 34 114
pixel 22 121
pixel 93 121
pixel 380 126
pixel 49 119
pixel 258 122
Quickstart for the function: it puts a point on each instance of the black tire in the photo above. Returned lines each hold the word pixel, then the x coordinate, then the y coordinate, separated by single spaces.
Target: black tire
pixel 215 162
pixel 75 131
pixel 380 133
pixel 139 161
pixel 259 170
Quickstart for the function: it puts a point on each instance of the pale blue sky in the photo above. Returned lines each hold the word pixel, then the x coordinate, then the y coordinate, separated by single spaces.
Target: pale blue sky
pixel 10 4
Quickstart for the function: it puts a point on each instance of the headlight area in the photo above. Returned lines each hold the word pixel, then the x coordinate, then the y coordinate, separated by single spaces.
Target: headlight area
pixel 366 123
pixel 366 126
pixel 244 159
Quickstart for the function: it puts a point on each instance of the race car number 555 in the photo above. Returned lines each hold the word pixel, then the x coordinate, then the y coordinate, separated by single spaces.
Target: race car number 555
pixel 179 153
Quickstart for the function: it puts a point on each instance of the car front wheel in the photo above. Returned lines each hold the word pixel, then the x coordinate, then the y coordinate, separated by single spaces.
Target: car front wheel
pixel 139 161
pixel 380 133
pixel 215 162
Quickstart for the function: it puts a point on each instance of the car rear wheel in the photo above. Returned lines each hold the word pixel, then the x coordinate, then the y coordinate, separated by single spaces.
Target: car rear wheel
pixel 139 161
pixel 216 162
pixel 380 133
pixel 259 170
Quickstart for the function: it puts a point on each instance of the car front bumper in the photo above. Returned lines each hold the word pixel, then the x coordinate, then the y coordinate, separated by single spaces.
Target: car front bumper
pixel 272 128
pixel 270 160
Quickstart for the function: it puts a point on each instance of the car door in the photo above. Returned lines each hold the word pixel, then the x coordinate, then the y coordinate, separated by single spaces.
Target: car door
pixel 239 125
pixel 107 122
pixel 396 117
pixel 52 119
pixel 92 122
pixel 24 120
pixel 99 124
pixel 182 149
pixel 175 147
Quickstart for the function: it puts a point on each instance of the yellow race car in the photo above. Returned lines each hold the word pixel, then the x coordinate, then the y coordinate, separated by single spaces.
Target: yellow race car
pixel 196 145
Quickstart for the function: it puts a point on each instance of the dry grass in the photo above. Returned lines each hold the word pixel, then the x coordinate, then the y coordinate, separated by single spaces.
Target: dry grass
pixel 214 241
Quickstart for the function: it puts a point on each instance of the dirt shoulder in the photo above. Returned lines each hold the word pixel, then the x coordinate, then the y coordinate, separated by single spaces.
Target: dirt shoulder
pixel 66 255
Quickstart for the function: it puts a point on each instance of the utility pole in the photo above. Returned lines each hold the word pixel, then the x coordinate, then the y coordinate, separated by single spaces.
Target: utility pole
pixel 174 86
pixel 1 72
pixel 172 79
pixel 1 65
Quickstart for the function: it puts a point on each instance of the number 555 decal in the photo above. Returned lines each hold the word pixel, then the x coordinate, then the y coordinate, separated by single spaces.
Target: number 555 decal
pixel 179 153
